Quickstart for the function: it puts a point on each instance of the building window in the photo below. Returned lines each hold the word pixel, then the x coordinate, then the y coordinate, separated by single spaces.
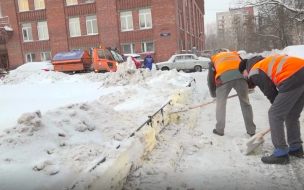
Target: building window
pixel 39 4
pixel 45 56
pixel 147 47
pixel 27 32
pixel 1 16
pixel 129 48
pixel 126 21
pixel 43 33
pixel 180 20
pixel 71 2
pixel 23 5
pixel 145 19
pixel 74 26
pixel 30 57
pixel 91 22
pixel 88 1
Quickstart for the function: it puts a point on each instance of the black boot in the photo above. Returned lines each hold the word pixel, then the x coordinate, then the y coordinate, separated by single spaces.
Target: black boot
pixel 215 132
pixel 297 153
pixel 272 159
pixel 251 135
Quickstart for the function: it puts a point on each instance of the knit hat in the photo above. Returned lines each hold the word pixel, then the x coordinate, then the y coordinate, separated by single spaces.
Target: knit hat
pixel 148 53
pixel 242 65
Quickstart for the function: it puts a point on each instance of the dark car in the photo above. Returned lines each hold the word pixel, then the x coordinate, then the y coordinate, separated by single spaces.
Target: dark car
pixel 3 73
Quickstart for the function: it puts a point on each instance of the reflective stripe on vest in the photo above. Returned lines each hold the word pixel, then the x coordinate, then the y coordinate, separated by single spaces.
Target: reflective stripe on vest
pixel 278 68
pixel 218 60
pixel 253 72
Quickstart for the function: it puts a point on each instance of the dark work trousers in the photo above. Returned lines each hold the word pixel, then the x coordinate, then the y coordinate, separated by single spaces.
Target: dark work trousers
pixel 287 107
pixel 241 87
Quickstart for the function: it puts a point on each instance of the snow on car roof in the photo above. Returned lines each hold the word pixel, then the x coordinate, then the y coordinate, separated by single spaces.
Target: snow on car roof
pixel 296 51
pixel 34 66
pixel 132 55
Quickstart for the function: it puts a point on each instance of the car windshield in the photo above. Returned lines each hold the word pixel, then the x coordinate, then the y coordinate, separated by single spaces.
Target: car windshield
pixel 117 56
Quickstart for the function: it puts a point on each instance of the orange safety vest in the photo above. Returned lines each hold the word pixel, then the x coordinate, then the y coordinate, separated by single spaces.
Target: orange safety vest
pixel 231 60
pixel 278 67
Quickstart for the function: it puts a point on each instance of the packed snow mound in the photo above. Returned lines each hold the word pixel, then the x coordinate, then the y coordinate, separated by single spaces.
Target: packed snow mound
pixel 125 74
pixel 264 54
pixel 67 141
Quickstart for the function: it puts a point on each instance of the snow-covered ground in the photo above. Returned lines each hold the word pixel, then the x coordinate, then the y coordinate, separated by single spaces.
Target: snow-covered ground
pixel 62 131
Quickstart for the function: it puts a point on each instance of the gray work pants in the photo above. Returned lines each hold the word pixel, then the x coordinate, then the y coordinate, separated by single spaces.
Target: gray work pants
pixel 287 107
pixel 241 87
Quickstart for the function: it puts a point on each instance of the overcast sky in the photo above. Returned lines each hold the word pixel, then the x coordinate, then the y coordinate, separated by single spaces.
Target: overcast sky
pixel 214 6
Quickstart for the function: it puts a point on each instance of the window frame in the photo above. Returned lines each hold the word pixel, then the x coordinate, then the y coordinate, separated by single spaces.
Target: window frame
pixel 31 57
pixel 42 55
pixel 27 31
pixel 74 26
pixel 131 46
pixel 39 2
pixel 1 15
pixel 125 19
pixel 144 47
pixel 23 10
pixel 145 18
pixel 44 29
pixel 91 22
pixel 75 2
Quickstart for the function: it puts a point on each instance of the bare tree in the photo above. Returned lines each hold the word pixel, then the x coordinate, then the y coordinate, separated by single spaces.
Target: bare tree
pixel 293 6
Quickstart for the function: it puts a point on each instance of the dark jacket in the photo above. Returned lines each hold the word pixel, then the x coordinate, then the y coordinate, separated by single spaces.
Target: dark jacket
pixel 269 89
pixel 148 62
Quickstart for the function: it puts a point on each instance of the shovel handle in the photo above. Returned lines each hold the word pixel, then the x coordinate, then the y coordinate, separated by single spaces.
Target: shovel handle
pixel 200 105
pixel 261 135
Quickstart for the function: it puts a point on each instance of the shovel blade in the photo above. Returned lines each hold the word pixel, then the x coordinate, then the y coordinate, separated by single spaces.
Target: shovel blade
pixel 253 143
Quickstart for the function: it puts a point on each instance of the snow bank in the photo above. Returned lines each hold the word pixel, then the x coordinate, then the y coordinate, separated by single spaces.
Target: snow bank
pixel 57 146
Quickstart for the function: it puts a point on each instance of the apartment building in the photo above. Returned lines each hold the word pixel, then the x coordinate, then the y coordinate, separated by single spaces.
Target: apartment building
pixel 232 24
pixel 34 30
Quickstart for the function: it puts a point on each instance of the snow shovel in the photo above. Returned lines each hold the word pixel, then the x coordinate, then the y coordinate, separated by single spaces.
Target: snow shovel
pixel 255 141
pixel 200 105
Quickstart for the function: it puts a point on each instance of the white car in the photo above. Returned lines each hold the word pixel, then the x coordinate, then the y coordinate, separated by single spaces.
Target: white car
pixel 36 66
pixel 184 62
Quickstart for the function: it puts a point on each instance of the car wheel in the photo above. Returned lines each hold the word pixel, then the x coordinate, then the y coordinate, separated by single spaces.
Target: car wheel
pixel 197 68
pixel 165 69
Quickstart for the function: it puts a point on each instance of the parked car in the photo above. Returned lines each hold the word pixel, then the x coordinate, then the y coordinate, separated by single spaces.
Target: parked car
pixel 219 50
pixel 294 50
pixel 135 58
pixel 3 73
pixel 183 62
pixel 36 66
pixel 206 53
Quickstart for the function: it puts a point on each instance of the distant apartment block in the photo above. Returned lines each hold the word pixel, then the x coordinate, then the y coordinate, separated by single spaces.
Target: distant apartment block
pixel 34 30
pixel 227 21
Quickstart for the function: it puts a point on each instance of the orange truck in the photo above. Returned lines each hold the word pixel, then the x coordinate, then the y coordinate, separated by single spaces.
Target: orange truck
pixel 102 60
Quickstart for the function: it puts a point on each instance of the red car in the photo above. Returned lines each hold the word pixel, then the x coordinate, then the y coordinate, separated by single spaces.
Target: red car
pixel 135 58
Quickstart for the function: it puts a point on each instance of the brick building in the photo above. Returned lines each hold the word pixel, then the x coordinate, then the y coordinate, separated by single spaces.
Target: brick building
pixel 34 30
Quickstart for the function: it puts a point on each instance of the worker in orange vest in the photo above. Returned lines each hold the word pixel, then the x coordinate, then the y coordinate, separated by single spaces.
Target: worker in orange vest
pixel 224 75
pixel 281 79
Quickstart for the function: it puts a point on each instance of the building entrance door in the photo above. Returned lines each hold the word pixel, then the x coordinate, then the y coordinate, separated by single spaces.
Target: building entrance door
pixel 4 62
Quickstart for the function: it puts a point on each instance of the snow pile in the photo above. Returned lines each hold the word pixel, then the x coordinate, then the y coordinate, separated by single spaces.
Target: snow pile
pixel 28 77
pixel 125 74
pixel 264 54
pixel 66 142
